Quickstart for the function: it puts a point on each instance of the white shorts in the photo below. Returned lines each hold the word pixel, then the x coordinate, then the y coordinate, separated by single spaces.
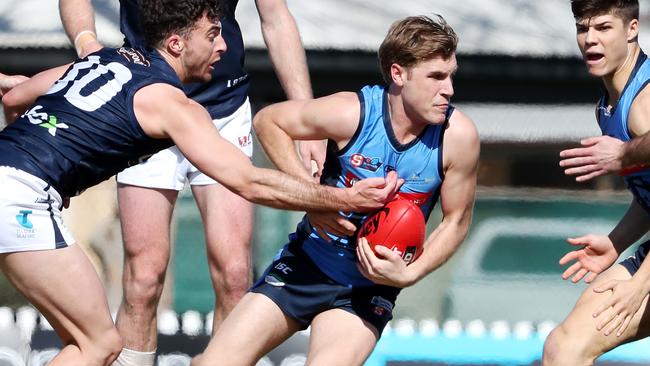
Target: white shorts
pixel 30 214
pixel 169 169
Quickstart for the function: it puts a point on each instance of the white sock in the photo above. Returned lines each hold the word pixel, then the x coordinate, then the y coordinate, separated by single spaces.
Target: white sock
pixel 129 357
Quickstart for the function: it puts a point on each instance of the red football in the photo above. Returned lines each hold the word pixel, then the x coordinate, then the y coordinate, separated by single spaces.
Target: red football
pixel 399 226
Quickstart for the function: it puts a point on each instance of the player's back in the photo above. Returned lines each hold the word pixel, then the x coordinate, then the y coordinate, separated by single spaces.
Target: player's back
pixel 84 129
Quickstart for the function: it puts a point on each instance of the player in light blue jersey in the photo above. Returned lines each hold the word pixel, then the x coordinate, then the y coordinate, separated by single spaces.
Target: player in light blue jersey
pixel 613 309
pixel 324 277
pixel 109 111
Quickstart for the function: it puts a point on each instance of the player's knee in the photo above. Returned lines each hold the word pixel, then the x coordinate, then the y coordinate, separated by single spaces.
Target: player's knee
pixel 105 348
pixel 561 346
pixel 236 279
pixel 144 286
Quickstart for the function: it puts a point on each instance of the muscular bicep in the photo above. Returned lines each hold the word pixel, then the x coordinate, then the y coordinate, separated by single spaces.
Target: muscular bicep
pixel 461 152
pixel 165 112
pixel 333 117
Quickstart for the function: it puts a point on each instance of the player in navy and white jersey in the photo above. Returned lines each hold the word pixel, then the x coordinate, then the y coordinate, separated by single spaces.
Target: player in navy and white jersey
pixel 324 277
pixel 110 110
pixel 147 192
pixel 613 309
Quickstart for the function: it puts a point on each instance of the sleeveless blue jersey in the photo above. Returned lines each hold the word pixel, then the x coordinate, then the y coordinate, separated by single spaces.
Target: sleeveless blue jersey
pixel 614 123
pixel 372 152
pixel 228 88
pixel 84 129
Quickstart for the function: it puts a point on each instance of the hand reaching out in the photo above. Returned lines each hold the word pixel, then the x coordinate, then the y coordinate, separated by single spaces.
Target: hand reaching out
pixel 596 255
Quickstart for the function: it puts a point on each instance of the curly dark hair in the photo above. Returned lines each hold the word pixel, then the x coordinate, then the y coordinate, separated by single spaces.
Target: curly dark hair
pixel 624 9
pixel 160 18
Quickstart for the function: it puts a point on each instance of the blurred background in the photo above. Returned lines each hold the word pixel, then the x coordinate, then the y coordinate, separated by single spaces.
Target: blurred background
pixel 520 78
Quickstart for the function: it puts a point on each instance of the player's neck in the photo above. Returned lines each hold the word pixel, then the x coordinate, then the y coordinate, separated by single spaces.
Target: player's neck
pixel 175 63
pixel 404 128
pixel 616 81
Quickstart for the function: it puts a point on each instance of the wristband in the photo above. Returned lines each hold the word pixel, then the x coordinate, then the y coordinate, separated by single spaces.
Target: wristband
pixel 82 38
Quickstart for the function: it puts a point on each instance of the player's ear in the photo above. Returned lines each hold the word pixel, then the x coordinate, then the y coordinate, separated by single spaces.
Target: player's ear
pixel 633 30
pixel 398 74
pixel 175 44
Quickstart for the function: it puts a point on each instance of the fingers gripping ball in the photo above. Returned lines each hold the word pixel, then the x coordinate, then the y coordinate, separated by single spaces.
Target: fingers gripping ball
pixel 399 226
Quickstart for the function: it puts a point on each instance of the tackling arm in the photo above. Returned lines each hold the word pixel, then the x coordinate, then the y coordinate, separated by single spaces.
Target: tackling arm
pixel 164 111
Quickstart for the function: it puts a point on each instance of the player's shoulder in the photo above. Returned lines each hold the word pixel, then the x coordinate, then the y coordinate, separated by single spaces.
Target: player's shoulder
pixel 462 127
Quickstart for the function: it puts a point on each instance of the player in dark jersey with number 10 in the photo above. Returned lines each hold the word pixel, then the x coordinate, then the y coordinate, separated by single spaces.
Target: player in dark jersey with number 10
pixel 111 110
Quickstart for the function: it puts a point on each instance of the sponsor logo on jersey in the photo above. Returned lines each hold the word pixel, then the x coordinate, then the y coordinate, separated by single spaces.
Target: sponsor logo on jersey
pixel 419 198
pixel 382 306
pixel 232 82
pixel 133 56
pixel 360 161
pixel 44 120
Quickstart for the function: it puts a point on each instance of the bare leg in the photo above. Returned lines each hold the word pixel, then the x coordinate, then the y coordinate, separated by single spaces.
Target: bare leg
pixel 145 215
pixel 254 327
pixel 227 221
pixel 577 342
pixel 340 338
pixel 65 288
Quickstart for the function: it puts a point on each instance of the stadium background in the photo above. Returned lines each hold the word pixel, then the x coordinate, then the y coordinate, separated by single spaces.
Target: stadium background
pixel 520 79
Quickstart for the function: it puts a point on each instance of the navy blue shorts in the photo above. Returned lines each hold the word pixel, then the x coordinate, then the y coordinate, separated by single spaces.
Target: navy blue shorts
pixel 633 263
pixel 302 291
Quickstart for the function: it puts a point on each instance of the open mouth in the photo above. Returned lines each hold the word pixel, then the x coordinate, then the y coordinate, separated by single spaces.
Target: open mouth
pixel 593 57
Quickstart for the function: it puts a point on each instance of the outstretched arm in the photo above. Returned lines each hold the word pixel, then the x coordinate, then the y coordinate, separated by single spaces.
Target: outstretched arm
pixel 287 54
pixel 461 152
pixel 596 253
pixel 164 111
pixel 78 18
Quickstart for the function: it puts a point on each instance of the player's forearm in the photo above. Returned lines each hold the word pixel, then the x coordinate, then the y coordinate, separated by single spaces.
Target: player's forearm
pixel 287 54
pixel 636 151
pixel 78 19
pixel 631 227
pixel 278 145
pixel 272 188
pixel 440 246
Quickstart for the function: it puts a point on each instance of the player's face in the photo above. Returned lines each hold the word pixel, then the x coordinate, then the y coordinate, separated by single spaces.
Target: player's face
pixel 428 88
pixel 204 46
pixel 603 42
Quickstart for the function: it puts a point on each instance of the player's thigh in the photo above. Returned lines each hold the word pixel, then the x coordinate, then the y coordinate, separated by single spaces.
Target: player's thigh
pixel 64 286
pixel 228 223
pixel 341 338
pixel 254 327
pixel 145 216
pixel 580 325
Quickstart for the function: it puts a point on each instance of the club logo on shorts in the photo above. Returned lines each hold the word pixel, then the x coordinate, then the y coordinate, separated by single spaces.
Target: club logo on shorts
pixel 23 220
pixel 382 306
pixel 274 281
pixel 245 140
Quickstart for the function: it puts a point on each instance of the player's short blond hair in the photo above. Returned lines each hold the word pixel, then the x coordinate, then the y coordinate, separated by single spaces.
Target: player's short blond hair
pixel 416 39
